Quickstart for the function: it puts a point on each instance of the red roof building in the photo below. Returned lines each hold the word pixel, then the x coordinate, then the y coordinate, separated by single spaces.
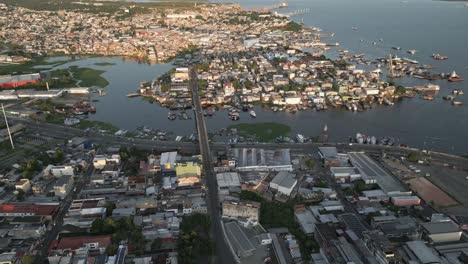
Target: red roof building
pixel 94 243
pixel 25 209
pixel 12 81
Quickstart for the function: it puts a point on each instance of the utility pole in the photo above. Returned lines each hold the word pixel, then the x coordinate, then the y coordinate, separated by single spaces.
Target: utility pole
pixel 8 128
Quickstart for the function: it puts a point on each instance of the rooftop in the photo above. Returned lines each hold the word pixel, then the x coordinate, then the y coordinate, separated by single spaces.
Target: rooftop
pixel 240 240
pixel 328 152
pixel 77 242
pixel 441 227
pixel 369 168
pixel 284 179
pixel 228 179
pixel 422 252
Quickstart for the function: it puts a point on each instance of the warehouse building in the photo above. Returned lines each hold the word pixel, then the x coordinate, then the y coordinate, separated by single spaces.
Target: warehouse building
pixel 12 81
pixel 345 174
pixel 253 159
pixel 418 252
pixel 284 182
pixel 373 173
pixel 442 232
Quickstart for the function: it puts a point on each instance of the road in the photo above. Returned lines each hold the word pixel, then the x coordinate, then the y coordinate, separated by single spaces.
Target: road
pixel 52 234
pixel 64 132
pixel 223 253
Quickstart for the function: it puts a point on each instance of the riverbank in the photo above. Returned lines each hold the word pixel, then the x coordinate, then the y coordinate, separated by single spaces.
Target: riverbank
pixel 262 132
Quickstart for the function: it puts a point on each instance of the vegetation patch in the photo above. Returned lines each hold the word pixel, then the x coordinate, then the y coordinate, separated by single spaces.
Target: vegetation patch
pixel 121 230
pixel 195 244
pixel 88 77
pixel 264 132
pixel 104 63
pixel 275 214
pixel 99 125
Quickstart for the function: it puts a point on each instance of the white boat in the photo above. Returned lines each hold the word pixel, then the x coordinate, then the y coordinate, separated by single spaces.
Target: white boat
pixel 412 51
pixel 253 114
pixel 410 61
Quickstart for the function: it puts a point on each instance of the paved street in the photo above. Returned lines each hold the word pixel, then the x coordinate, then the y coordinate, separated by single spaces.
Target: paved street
pixel 52 234
pixel 223 253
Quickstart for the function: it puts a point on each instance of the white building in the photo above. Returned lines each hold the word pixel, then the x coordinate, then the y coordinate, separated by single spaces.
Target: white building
pixel 58 171
pixel 99 161
pixel 284 182
pixel 63 186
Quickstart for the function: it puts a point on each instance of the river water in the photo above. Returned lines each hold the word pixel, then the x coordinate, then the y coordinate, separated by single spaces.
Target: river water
pixel 424 25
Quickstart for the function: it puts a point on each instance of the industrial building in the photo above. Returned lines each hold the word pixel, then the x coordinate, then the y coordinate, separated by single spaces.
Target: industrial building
pixel 331 158
pixel 407 200
pixel 12 81
pixel 373 173
pixel 442 232
pixel 306 220
pixel 228 180
pixel 253 159
pixel 418 252
pixel 284 182
pixel 345 174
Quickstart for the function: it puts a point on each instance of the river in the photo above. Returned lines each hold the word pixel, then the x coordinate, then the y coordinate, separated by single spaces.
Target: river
pixel 424 25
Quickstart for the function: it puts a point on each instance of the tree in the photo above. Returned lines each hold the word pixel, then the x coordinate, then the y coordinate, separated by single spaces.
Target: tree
pixel 110 206
pixel 112 249
pixel 412 157
pixel 58 157
pixel 97 226
pixel 123 152
pixel 156 244
pixel 400 90
pixel 20 195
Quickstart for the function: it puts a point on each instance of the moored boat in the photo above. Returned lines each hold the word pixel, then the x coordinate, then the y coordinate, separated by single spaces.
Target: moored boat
pixel 454 77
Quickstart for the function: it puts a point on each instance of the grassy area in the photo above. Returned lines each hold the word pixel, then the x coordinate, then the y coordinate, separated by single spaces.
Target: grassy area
pixel 97 125
pixel 104 63
pixel 88 76
pixel 274 214
pixel 28 67
pixel 262 131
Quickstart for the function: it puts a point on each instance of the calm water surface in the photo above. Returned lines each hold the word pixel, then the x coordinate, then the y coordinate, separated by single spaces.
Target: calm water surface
pixel 423 25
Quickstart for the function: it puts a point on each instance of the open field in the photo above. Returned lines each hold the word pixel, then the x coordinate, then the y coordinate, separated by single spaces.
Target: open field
pixel 453 182
pixel 264 132
pixel 430 192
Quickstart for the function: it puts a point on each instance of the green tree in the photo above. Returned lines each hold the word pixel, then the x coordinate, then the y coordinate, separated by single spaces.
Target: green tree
pixel 412 157
pixel 110 206
pixel 112 249
pixel 156 244
pixel 97 226
pixel 20 195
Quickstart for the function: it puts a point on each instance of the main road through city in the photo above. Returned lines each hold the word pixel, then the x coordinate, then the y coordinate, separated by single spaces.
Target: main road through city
pixel 222 251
